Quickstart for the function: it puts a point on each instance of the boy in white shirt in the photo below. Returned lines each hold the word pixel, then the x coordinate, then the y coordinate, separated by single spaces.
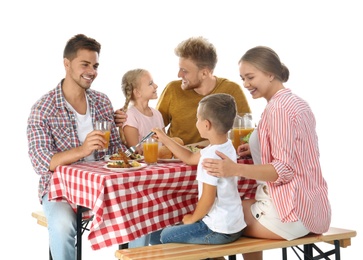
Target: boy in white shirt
pixel 218 217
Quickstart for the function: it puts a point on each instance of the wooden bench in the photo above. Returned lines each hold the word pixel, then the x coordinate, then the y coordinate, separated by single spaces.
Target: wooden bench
pixel 40 217
pixel 42 221
pixel 174 251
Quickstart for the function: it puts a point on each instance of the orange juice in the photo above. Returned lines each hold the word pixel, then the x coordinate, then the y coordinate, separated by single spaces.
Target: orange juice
pixel 107 137
pixel 238 134
pixel 150 152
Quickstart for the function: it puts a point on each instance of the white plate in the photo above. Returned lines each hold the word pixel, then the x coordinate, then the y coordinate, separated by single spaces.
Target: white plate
pixel 107 159
pixel 143 165
pixel 169 160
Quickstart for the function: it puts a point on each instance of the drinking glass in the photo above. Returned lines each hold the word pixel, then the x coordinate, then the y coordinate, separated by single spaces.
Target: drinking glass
pixel 105 127
pixel 151 148
pixel 242 126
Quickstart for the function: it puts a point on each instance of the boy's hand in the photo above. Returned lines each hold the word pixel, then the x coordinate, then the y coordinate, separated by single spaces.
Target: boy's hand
pixel 187 219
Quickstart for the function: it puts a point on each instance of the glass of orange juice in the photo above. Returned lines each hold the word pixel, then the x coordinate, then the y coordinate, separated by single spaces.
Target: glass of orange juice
pixel 242 126
pixel 150 148
pixel 105 127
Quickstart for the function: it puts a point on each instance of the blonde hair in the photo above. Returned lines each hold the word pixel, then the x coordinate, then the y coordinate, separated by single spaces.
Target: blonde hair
pixel 199 50
pixel 129 82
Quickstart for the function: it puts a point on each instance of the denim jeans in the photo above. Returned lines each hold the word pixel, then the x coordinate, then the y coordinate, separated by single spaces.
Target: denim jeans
pixel 139 242
pixel 149 239
pixel 196 233
pixel 62 229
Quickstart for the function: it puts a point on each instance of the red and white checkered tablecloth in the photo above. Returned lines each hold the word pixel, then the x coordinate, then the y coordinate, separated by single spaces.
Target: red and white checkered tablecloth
pixel 127 205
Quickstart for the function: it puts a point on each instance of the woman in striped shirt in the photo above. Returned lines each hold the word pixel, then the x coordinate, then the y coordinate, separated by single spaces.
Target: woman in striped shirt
pixel 292 195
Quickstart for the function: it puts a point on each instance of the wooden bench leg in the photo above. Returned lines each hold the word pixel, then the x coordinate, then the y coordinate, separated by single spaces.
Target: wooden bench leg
pixel 123 246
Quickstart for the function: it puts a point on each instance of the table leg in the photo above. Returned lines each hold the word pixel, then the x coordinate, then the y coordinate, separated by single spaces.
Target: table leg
pixel 79 232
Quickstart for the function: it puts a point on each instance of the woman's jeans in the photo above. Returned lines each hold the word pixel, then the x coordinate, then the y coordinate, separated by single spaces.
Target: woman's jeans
pixel 196 233
pixel 62 229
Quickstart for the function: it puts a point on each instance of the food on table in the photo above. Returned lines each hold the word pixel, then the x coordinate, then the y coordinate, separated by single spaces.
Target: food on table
pixel 195 148
pixel 122 164
pixel 165 153
pixel 246 139
pixel 178 140
pixel 121 155
pixel 135 156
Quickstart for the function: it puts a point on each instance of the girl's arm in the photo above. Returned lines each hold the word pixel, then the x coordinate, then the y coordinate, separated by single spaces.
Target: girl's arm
pixel 132 137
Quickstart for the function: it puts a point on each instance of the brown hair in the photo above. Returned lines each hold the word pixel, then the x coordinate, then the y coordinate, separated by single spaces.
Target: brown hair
pixel 266 60
pixel 200 50
pixel 220 109
pixel 80 42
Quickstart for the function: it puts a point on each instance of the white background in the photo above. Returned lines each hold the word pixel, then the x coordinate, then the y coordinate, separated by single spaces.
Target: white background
pixel 319 41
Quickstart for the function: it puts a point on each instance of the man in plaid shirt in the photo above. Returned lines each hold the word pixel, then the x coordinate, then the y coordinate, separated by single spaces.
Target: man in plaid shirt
pixel 60 131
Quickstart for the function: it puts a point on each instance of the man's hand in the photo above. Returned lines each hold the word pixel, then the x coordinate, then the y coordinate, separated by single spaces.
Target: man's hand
pixel 95 140
pixel 120 117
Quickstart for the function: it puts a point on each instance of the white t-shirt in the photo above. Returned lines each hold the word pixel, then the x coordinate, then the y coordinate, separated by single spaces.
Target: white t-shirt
pixel 84 126
pixel 143 123
pixel 226 215
pixel 255 150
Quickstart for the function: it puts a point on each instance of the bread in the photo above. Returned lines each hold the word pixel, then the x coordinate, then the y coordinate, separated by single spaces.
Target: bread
pixel 178 140
pixel 164 153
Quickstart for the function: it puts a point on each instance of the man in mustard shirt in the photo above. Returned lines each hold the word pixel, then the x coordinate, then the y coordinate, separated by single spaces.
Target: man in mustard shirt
pixel 179 100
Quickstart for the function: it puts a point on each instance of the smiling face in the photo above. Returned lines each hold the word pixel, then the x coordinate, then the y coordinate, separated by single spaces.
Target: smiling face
pixel 257 82
pixel 82 70
pixel 146 87
pixel 190 74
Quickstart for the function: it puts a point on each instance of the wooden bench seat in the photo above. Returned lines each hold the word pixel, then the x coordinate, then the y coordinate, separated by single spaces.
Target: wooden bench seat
pixel 42 221
pixel 40 217
pixel 336 236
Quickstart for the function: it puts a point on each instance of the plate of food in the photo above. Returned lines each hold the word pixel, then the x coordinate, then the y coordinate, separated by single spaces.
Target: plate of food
pixel 119 157
pixel 121 166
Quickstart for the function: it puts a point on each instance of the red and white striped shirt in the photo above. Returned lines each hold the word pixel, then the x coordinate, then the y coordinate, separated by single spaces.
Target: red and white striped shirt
pixel 289 142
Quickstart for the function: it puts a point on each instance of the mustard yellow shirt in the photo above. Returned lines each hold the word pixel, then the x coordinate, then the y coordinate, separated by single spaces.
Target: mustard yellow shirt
pixel 179 107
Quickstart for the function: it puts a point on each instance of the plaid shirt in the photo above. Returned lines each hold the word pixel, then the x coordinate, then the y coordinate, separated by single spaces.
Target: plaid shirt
pixel 52 128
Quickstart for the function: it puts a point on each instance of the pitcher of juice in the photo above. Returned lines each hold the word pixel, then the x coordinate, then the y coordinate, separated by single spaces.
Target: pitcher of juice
pixel 242 126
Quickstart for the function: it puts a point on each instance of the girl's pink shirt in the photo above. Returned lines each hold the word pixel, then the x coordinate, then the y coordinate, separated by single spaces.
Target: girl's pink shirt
pixel 143 123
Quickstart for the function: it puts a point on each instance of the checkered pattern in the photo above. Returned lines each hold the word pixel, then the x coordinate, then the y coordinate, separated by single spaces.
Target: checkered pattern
pixel 128 205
